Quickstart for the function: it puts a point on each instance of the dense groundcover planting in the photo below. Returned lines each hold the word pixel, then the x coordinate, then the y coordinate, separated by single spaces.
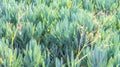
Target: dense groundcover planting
pixel 59 33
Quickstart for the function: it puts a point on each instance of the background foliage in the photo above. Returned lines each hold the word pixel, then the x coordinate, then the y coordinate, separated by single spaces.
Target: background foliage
pixel 60 33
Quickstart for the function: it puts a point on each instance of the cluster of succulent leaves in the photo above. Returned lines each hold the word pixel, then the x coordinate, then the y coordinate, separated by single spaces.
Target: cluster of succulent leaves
pixel 60 33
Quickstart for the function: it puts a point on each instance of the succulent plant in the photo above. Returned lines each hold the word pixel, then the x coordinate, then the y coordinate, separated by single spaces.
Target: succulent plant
pixel 59 33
